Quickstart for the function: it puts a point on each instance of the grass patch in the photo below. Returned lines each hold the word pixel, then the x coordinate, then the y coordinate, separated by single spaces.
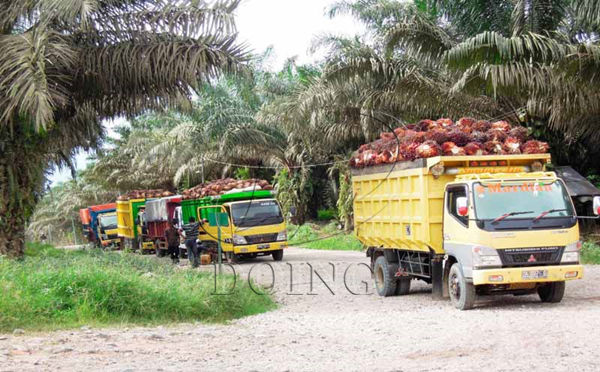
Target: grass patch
pixel 57 289
pixel 324 237
pixel 590 253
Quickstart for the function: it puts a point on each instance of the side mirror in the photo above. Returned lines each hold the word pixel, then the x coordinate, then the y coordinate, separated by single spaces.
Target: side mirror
pixel 462 208
pixel 597 205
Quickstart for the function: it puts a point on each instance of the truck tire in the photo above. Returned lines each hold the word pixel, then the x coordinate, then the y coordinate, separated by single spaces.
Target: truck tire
pixel 278 255
pixel 462 293
pixel 385 280
pixel 159 252
pixel 552 292
pixel 231 258
pixel 403 285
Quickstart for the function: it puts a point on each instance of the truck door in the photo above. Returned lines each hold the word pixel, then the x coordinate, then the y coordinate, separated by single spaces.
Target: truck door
pixel 456 226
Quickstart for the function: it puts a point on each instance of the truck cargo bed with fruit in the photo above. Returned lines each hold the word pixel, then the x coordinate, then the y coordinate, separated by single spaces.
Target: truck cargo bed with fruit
pixel 472 220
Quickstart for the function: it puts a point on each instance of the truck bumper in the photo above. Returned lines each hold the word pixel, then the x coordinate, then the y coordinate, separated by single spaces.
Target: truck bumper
pixel 258 248
pixel 111 243
pixel 528 274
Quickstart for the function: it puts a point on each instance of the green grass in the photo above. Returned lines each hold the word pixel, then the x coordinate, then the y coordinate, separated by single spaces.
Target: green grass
pixel 590 253
pixel 324 237
pixel 326 214
pixel 57 289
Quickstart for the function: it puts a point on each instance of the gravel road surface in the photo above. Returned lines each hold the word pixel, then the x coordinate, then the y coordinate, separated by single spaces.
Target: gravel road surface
pixel 328 328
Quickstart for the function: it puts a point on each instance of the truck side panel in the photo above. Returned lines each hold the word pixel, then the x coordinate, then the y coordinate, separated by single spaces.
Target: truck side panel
pixel 127 211
pixel 399 208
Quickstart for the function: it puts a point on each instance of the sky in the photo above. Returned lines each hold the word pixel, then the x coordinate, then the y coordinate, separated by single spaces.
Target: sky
pixel 289 26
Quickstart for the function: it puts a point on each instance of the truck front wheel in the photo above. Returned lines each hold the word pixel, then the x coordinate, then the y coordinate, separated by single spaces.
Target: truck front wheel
pixel 278 255
pixel 462 293
pixel 552 292
pixel 385 279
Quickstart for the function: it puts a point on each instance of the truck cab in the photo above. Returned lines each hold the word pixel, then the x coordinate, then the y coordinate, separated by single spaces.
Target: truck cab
pixel 249 228
pixel 107 230
pixel 504 233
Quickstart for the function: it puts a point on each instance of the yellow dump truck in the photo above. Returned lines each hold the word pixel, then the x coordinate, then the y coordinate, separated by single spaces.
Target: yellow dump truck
pixel 469 225
pixel 130 223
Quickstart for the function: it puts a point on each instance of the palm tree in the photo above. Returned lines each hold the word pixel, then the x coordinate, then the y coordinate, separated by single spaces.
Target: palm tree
pixel 67 64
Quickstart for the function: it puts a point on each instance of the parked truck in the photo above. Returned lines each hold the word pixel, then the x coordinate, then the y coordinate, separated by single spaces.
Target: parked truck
pixel 99 224
pixel 131 225
pixel 158 216
pixel 469 225
pixel 248 224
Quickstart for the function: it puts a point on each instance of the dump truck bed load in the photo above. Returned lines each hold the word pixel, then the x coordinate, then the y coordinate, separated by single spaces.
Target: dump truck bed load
pixel 400 205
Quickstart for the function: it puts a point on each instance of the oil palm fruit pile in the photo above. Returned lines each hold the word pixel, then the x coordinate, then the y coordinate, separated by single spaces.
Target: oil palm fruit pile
pixel 444 137
pixel 225 185
pixel 145 194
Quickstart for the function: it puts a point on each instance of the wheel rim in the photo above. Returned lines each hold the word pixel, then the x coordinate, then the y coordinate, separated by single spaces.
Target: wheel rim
pixel 454 286
pixel 379 277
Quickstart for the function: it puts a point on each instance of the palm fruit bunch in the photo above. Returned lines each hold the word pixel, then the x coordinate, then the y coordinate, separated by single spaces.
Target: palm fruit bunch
pixel 145 194
pixel 224 185
pixel 445 137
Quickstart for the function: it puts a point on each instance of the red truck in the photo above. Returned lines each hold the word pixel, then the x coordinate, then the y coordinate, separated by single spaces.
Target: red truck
pixel 159 213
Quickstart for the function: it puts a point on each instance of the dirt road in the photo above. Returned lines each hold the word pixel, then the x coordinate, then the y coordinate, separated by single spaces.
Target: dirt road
pixel 316 330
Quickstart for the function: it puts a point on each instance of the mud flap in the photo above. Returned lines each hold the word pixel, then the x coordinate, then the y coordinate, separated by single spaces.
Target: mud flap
pixel 437 277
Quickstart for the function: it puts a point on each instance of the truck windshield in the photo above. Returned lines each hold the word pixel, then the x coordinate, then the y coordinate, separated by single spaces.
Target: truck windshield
pixel 256 213
pixel 496 200
pixel 108 222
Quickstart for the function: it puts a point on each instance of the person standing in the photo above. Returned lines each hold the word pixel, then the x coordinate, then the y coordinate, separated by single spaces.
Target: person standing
pixel 172 238
pixel 192 229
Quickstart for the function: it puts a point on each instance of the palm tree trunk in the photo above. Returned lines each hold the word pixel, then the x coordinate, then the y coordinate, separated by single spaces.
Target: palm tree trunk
pixel 21 181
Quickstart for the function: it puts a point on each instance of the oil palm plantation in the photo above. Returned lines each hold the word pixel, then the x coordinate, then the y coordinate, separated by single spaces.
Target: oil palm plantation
pixel 67 64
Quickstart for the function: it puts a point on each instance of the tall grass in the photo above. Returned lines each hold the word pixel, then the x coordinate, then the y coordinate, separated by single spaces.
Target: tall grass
pixel 590 253
pixel 53 289
pixel 323 237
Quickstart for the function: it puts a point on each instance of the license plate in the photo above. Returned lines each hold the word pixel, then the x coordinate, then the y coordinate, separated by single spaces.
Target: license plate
pixel 263 246
pixel 534 274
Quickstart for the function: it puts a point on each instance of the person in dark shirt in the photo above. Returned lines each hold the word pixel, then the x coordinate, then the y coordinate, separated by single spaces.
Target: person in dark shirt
pixel 191 230
pixel 172 237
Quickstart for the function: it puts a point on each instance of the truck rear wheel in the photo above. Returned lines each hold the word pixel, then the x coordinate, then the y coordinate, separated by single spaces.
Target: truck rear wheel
pixel 403 285
pixel 278 255
pixel 462 293
pixel 552 292
pixel 385 280
pixel 159 252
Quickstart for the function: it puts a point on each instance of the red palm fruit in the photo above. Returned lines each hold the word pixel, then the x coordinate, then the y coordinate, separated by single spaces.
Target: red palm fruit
pixel 459 137
pixel 482 126
pixel 519 133
pixel 493 163
pixel 473 148
pixel 450 149
pixel 445 122
pixel 493 147
pixel 535 147
pixel 387 135
pixel 364 148
pixel 369 157
pixel 512 145
pixel 408 151
pixel 399 132
pixel 496 134
pixel 466 122
pixel 428 149
pixel 478 136
pixel 386 157
pixel 411 136
pixel 502 125
pixel 438 135
pixel 426 124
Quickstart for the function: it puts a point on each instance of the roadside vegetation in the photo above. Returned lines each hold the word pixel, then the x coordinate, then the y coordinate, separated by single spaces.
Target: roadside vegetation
pixel 57 289
pixel 323 236
pixel 590 253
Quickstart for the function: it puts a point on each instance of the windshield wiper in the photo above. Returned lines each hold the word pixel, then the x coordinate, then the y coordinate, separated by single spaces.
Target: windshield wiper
pixel 497 219
pixel 544 213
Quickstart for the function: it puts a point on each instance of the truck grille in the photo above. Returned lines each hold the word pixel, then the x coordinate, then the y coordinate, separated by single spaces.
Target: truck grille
pixel 261 238
pixel 536 256
pixel 112 236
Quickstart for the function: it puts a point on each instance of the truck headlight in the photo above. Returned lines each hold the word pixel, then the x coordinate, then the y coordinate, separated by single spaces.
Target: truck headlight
pixel 282 236
pixel 239 240
pixel 485 257
pixel 571 253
